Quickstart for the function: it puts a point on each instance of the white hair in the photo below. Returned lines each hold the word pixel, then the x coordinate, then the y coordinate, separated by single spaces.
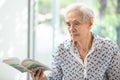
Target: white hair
pixel 87 13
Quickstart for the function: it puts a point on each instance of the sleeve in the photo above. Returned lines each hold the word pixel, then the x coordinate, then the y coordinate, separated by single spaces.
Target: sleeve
pixel 56 74
pixel 113 71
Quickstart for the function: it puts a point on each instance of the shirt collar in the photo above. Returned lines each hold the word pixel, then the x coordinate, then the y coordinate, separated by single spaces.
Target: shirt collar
pixel 96 44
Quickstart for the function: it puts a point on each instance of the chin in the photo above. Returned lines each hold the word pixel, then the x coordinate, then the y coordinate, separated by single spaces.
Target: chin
pixel 75 40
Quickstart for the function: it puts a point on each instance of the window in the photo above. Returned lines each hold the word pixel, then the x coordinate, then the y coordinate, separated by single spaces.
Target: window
pixel 13 36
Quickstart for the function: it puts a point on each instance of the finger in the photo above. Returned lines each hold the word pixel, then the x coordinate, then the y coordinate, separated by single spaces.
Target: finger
pixel 32 75
pixel 38 73
pixel 41 75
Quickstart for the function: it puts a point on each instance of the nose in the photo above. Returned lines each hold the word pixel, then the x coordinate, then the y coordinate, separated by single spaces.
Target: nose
pixel 72 28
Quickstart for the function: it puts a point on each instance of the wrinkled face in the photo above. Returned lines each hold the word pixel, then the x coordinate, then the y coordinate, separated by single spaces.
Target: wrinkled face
pixel 76 27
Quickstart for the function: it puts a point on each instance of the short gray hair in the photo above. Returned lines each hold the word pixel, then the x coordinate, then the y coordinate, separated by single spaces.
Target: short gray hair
pixel 87 13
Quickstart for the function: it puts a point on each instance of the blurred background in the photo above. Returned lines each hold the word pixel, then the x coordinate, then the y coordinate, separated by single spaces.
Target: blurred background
pixel 33 28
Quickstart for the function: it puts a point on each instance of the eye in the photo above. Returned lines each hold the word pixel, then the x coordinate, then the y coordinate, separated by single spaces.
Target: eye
pixel 76 23
pixel 68 24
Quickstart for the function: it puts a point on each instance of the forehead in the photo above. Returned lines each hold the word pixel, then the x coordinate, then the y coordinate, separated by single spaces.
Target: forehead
pixel 73 15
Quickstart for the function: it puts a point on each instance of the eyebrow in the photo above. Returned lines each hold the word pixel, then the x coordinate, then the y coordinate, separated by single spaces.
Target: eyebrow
pixel 67 23
pixel 77 19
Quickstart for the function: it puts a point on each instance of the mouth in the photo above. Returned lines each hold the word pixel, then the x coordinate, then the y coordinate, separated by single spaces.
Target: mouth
pixel 75 34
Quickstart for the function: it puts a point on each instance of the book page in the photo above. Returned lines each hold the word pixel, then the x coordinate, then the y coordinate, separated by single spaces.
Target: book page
pixel 34 65
pixel 15 63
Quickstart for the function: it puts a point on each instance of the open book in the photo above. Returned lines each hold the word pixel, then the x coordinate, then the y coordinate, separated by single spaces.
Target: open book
pixel 27 65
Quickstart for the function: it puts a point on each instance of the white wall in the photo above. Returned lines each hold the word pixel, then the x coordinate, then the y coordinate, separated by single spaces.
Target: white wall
pixel 13 36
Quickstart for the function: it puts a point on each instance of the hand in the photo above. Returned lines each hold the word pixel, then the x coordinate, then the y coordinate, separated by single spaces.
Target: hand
pixel 38 75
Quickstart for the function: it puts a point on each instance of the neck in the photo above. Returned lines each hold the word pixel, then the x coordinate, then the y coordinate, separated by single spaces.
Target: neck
pixel 85 44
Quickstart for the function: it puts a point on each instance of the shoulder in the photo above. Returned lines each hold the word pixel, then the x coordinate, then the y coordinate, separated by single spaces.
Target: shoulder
pixel 106 43
pixel 64 45
pixel 62 48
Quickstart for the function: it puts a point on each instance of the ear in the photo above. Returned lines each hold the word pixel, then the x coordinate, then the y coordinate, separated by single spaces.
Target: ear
pixel 90 23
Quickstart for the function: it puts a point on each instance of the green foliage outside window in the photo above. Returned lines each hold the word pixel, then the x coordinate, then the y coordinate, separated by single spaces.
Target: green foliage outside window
pixel 105 26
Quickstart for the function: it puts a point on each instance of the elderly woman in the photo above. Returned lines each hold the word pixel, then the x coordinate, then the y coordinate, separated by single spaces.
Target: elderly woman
pixel 85 56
